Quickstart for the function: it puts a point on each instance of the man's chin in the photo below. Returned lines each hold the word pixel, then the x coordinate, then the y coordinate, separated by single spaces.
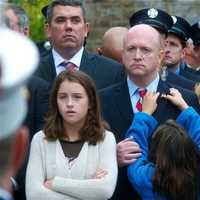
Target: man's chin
pixel 69 45
pixel 169 65
pixel 137 71
pixel 168 62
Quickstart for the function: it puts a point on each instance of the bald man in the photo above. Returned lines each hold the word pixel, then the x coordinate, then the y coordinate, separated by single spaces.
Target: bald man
pixel 142 56
pixel 112 43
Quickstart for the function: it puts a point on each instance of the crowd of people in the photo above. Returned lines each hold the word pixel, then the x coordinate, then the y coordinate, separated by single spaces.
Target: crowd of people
pixel 121 123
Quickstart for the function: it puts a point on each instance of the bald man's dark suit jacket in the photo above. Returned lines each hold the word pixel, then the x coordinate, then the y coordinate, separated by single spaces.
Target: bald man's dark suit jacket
pixel 117 111
pixel 102 70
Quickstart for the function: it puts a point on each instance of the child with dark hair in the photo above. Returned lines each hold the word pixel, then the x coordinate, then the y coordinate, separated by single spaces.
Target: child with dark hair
pixel 74 157
pixel 169 168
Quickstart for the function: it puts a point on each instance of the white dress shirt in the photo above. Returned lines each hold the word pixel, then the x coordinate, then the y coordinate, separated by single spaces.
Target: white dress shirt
pixel 134 96
pixel 58 59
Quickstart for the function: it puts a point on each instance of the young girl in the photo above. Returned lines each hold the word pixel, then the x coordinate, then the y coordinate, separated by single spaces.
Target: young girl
pixel 170 168
pixel 74 157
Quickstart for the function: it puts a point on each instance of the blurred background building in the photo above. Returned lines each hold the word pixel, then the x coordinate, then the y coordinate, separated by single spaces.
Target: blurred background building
pixel 103 14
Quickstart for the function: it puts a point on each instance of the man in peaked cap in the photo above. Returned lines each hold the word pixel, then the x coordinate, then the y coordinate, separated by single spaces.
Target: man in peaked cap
pixel 195 33
pixel 175 48
pixel 154 17
pixel 162 22
pixel 193 50
pixel 14 72
pixel 178 34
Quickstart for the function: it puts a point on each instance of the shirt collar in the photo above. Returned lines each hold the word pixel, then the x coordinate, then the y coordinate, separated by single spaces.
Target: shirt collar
pixel 76 59
pixel 132 87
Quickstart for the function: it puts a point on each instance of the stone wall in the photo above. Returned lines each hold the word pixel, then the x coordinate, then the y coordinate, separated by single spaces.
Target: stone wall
pixel 103 14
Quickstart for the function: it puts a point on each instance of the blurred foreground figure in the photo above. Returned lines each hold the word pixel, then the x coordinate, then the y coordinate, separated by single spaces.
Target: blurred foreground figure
pixel 17 19
pixel 14 72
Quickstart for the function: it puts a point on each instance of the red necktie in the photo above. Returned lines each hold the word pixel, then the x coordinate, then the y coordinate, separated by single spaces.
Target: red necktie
pixel 141 92
pixel 71 66
pixel 68 65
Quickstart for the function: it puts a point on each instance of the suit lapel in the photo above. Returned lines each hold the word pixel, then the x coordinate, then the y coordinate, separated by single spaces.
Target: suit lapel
pixel 165 109
pixel 87 61
pixel 163 89
pixel 49 67
pixel 52 71
pixel 123 104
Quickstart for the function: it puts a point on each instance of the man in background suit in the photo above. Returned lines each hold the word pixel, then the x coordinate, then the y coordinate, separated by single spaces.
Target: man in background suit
pixel 67 29
pixel 142 57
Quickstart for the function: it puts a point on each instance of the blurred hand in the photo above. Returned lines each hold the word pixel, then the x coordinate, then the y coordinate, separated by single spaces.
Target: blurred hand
pixel 48 183
pixel 100 174
pixel 127 152
pixel 149 103
pixel 176 98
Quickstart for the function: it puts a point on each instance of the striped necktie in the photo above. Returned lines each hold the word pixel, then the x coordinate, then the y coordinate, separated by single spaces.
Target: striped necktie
pixel 68 65
pixel 141 92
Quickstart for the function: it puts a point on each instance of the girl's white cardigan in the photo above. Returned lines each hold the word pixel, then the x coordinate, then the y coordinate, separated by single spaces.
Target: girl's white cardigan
pixel 47 161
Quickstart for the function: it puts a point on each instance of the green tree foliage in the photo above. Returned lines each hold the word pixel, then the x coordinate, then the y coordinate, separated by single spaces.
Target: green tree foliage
pixel 33 9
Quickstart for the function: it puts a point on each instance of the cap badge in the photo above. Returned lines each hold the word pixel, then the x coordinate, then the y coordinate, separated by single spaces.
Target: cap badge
pixel 152 13
pixel 174 19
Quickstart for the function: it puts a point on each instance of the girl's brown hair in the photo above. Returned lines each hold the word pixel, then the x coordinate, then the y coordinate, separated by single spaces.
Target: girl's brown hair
pixel 177 160
pixel 93 128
